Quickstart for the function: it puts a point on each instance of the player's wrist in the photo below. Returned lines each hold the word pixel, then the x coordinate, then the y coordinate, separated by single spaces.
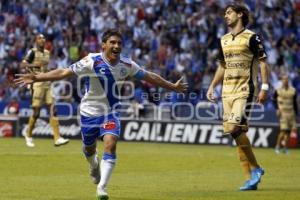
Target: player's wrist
pixel 265 87
pixel 34 78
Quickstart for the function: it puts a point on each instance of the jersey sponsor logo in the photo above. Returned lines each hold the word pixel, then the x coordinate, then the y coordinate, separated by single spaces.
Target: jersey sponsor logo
pixel 229 55
pixel 236 65
pixel 102 71
pixel 109 125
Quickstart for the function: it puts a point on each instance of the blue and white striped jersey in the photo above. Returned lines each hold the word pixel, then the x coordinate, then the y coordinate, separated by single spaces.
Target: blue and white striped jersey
pixel 103 82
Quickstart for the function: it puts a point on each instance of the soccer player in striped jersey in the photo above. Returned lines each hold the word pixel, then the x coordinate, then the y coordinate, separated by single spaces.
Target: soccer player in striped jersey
pixel 36 61
pixel 285 101
pixel 99 105
pixel 241 53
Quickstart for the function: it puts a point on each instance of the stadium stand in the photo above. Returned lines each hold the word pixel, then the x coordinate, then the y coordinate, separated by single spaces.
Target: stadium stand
pixel 172 38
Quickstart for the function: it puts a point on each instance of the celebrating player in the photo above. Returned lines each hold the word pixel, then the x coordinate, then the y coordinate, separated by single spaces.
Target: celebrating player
pixel 241 51
pixel 36 61
pixel 98 108
pixel 285 101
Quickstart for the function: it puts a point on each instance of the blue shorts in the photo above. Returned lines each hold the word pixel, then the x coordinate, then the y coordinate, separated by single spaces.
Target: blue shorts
pixel 94 127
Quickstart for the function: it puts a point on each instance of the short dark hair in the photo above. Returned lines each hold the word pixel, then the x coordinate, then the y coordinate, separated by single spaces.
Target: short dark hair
pixel 239 8
pixel 111 32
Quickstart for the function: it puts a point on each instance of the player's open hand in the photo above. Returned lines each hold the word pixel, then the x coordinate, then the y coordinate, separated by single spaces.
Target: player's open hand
pixel 210 95
pixel 262 97
pixel 24 79
pixel 179 86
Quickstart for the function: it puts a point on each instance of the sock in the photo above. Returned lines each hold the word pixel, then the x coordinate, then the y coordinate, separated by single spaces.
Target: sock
pixel 107 165
pixel 244 163
pixel 31 124
pixel 279 139
pixel 91 158
pixel 244 144
pixel 55 127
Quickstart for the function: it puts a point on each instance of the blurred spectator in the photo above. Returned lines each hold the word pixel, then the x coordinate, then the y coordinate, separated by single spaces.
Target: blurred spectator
pixel 168 37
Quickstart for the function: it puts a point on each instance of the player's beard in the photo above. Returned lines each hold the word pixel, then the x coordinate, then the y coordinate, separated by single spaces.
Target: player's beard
pixel 114 55
pixel 231 23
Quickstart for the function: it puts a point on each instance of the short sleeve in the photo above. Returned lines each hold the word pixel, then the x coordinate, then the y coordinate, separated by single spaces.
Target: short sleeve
pixel 257 47
pixel 220 53
pixel 83 66
pixel 29 56
pixel 136 71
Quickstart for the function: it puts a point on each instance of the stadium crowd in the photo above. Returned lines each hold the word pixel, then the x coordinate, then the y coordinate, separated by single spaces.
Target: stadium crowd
pixel 170 37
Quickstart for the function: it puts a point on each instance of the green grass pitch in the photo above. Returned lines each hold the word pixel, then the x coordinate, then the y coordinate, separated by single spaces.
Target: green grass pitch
pixel 144 171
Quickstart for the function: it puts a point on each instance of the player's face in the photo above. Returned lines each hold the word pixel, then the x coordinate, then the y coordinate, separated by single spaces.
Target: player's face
pixel 285 81
pixel 112 48
pixel 40 40
pixel 231 17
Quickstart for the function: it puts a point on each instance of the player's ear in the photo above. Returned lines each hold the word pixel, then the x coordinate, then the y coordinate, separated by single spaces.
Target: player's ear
pixel 103 45
pixel 240 14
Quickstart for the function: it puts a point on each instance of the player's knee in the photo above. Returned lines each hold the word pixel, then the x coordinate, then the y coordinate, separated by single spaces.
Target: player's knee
pixel 89 150
pixel 235 131
pixel 110 146
pixel 53 111
pixel 36 113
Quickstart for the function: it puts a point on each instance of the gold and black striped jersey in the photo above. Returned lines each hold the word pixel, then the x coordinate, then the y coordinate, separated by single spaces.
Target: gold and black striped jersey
pixel 286 101
pixel 34 55
pixel 241 54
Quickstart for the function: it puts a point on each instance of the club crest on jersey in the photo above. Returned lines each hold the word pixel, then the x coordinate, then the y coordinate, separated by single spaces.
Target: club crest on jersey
pixel 123 72
pixel 109 125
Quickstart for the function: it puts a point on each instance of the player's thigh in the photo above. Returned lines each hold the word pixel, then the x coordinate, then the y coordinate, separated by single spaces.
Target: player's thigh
pixel 227 106
pixel 90 130
pixel 49 100
pixel 111 125
pixel 284 123
pixel 37 98
pixel 238 115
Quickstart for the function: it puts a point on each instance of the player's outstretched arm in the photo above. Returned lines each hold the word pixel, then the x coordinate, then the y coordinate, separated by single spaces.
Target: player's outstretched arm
pixel 53 75
pixel 157 80
pixel 218 78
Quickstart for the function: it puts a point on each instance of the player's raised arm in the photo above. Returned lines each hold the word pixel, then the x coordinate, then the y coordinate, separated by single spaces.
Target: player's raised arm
pixel 157 80
pixel 53 75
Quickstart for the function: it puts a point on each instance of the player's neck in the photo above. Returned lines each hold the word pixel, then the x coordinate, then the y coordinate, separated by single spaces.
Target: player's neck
pixel 238 28
pixel 109 60
pixel 40 49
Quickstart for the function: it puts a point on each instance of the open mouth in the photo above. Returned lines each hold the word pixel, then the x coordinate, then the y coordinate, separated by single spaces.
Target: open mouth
pixel 115 52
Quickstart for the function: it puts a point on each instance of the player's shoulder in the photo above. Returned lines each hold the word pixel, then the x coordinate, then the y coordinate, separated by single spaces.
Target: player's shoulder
pixel 292 89
pixel 226 36
pixel 33 49
pixel 126 61
pixel 249 32
pixel 92 57
pixel 46 51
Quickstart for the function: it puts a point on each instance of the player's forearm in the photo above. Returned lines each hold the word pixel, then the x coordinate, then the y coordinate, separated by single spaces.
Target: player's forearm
pixel 264 70
pixel 53 75
pixel 219 76
pixel 25 64
pixel 157 80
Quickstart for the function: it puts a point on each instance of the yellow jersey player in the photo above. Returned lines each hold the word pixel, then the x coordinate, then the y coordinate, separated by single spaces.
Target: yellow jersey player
pixel 36 61
pixel 240 54
pixel 285 100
